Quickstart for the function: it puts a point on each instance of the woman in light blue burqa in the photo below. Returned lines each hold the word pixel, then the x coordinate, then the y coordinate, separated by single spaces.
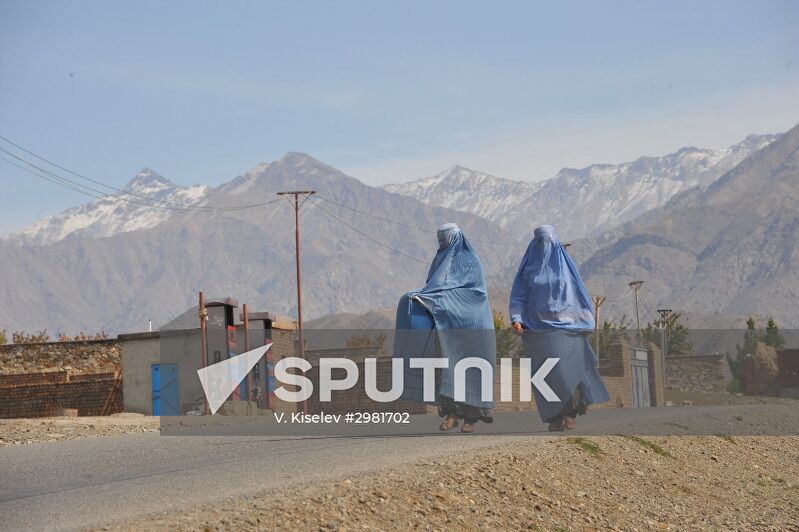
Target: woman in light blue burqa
pixel 450 317
pixel 552 311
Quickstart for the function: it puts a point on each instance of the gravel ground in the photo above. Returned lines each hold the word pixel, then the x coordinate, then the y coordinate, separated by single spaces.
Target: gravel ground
pixel 706 398
pixel 26 430
pixel 546 483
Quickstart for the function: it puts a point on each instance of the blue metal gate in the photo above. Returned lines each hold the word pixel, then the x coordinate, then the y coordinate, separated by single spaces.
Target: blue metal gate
pixel 640 377
pixel 165 390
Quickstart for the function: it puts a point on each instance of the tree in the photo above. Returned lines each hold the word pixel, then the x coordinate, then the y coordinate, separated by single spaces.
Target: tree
pixel 749 346
pixel 507 342
pixel 3 338
pixel 773 336
pixel 676 335
pixel 612 331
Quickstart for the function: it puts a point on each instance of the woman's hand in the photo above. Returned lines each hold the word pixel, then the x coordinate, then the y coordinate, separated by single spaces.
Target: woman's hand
pixel 517 329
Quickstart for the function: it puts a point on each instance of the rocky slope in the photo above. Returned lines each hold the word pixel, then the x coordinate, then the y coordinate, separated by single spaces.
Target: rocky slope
pixel 730 249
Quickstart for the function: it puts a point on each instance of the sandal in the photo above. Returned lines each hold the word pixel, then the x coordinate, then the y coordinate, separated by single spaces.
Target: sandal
pixel 467 428
pixel 557 426
pixel 448 424
pixel 569 422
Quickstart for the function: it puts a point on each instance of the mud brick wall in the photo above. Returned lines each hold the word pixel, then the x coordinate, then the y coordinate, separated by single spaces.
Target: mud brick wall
pixel 656 374
pixel 90 357
pixel 617 376
pixel 26 379
pixel 696 373
pixel 22 396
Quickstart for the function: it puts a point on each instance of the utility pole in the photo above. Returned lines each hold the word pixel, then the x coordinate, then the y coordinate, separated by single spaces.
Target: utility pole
pixel 636 285
pixel 296 204
pixel 598 300
pixel 664 313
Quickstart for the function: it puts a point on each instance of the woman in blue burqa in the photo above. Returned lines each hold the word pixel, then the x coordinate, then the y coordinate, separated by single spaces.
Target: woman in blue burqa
pixel 450 318
pixel 552 311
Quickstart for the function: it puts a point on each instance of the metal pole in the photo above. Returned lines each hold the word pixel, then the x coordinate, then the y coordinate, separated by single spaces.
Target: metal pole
pixel 247 348
pixel 636 285
pixel 299 272
pixel 203 316
pixel 664 313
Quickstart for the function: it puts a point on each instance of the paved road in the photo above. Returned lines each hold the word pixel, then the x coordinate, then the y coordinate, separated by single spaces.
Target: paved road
pixel 79 483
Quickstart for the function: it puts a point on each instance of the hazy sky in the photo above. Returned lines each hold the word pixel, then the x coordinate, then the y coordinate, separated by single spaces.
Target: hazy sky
pixel 203 91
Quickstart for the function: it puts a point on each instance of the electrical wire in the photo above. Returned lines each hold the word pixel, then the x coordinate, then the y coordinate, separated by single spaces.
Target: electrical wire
pixel 54 178
pixel 122 191
pixel 620 298
pixel 424 230
pixel 653 317
pixel 367 236
pixel 99 194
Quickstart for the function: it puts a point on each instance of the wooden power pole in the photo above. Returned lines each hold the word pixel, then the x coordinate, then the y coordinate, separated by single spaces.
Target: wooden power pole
pixel 598 300
pixel 297 204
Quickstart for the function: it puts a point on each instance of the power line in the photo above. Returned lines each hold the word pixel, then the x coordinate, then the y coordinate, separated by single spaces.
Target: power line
pixel 126 192
pixel 78 187
pixel 68 183
pixel 424 230
pixel 617 299
pixel 365 235
pixel 86 178
pixel 648 308
pixel 65 185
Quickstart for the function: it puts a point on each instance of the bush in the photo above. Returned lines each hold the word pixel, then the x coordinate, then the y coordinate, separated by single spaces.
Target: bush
pixel 20 337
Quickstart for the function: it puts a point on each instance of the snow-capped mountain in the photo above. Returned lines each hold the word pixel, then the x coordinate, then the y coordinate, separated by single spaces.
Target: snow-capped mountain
pixel 469 190
pixel 115 214
pixel 351 261
pixel 581 202
pixel 735 237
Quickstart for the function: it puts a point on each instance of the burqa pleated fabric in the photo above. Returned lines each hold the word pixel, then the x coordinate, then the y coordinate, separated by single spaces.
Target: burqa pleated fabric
pixel 551 302
pixel 452 311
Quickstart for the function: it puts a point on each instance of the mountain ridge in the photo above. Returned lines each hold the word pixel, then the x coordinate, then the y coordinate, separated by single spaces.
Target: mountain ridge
pixel 606 195
pixel 86 282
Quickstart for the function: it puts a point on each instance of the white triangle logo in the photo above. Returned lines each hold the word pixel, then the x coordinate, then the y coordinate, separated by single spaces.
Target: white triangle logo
pixel 220 379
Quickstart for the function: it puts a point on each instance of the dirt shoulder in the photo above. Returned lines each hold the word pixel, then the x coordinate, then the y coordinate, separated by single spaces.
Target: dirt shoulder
pixel 546 483
pixel 704 398
pixel 30 430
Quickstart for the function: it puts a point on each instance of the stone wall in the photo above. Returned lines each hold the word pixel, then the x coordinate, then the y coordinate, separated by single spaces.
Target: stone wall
pixel 89 357
pixel 41 394
pixel 696 373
